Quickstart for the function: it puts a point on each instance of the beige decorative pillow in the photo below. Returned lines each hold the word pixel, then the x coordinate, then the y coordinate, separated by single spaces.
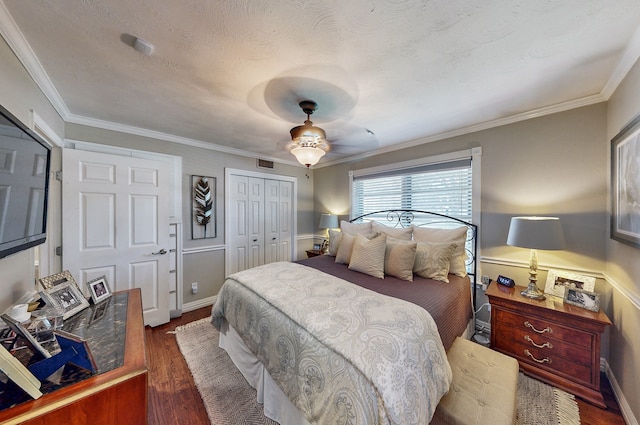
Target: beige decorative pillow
pixel 343 255
pixel 335 236
pixel 354 228
pixel 457 235
pixel 368 255
pixel 394 232
pixel 432 260
pixel 399 258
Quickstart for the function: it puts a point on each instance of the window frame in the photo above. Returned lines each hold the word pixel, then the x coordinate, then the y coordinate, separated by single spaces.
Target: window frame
pixel 475 154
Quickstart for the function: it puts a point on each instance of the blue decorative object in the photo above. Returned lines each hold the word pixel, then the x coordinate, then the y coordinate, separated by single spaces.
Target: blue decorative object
pixel 74 350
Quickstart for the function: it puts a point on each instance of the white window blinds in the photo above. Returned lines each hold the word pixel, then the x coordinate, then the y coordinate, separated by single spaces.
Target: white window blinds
pixel 444 188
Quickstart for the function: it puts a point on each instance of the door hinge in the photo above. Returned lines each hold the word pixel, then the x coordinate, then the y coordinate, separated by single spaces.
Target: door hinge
pixel 59 175
pixel 58 251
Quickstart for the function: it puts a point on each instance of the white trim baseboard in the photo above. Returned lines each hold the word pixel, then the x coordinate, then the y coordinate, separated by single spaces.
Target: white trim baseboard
pixel 194 305
pixel 625 408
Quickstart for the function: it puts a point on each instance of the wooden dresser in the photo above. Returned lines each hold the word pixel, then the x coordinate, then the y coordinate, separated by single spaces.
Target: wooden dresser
pixel 117 394
pixel 554 342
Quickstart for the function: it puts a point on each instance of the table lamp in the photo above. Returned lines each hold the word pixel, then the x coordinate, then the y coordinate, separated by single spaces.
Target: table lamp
pixel 535 233
pixel 327 221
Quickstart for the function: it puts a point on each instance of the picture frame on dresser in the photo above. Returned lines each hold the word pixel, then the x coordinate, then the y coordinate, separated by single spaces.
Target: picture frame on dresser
pixel 559 281
pixel 625 184
pixel 581 298
pixel 99 289
pixel 49 282
pixel 67 297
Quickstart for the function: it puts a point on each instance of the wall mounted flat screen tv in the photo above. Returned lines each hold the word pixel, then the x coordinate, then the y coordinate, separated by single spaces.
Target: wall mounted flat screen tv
pixel 25 159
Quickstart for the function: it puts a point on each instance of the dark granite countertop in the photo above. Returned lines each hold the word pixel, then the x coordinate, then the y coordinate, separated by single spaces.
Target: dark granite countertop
pixel 103 326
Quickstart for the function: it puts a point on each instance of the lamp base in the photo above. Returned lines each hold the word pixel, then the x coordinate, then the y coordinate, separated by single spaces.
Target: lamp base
pixel 533 292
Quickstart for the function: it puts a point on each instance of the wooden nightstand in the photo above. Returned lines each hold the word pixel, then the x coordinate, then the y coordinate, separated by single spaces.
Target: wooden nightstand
pixel 554 342
pixel 313 253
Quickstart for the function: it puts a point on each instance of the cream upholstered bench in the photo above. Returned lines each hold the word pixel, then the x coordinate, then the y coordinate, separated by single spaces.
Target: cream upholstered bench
pixel 483 390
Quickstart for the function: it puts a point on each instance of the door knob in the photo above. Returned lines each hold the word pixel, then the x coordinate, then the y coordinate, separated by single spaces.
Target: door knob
pixel 161 252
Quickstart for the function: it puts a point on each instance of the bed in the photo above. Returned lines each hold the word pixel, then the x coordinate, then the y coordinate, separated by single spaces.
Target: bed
pixel 323 341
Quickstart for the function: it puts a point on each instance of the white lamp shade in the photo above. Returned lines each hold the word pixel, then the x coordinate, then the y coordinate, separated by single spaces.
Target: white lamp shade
pixel 536 233
pixel 328 221
pixel 307 155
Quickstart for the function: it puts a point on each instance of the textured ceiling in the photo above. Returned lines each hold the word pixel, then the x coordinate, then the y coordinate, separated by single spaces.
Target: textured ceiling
pixel 231 73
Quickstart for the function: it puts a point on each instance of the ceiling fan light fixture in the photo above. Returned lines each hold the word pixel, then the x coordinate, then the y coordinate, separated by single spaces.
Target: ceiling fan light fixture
pixel 309 142
pixel 307 155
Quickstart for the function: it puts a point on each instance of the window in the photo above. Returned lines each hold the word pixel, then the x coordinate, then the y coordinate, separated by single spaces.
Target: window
pixel 445 188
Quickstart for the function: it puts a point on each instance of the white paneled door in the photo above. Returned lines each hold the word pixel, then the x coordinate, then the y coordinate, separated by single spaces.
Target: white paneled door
pixel 115 224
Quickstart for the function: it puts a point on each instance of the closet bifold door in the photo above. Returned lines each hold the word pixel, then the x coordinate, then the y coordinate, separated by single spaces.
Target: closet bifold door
pixel 260 214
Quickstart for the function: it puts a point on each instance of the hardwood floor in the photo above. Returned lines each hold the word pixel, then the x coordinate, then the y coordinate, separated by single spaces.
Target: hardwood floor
pixel 174 399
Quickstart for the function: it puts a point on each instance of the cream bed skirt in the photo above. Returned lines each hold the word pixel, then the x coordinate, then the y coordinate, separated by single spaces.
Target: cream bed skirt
pixel 275 403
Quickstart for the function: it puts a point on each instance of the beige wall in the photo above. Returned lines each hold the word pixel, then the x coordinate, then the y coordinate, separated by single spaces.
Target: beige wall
pixel 623 264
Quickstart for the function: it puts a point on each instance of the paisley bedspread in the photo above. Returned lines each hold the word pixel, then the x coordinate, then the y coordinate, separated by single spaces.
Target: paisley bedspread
pixel 341 353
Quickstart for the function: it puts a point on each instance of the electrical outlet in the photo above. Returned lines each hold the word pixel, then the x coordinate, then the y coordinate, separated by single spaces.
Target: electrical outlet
pixel 486 280
pixel 194 288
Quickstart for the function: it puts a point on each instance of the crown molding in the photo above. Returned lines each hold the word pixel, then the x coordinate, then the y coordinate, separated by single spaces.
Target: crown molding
pixel 628 58
pixel 21 48
pixel 15 39
pixel 534 113
pixel 139 131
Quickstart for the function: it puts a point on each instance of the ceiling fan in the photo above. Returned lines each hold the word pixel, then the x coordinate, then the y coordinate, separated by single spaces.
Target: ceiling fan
pixel 308 142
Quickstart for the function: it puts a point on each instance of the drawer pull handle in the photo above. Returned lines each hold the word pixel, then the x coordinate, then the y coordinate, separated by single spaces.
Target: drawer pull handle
pixel 529 325
pixel 545 345
pixel 545 360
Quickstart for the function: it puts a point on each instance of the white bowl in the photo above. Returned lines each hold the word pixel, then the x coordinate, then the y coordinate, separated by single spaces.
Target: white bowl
pixel 22 317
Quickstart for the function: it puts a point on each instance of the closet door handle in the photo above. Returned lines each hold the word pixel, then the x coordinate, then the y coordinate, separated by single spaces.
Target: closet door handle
pixel 161 252
pixel 255 240
pixel 273 239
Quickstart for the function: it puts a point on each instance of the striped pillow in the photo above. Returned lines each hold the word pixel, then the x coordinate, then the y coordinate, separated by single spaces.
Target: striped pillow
pixel 368 255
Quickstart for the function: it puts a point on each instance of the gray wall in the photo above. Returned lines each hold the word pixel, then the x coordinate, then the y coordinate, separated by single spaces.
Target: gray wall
pixel 20 96
pixel 206 264
pixel 623 264
pixel 553 165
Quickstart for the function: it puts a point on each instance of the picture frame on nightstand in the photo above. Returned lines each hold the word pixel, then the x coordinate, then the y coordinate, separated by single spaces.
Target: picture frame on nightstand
pixel 581 298
pixel 559 281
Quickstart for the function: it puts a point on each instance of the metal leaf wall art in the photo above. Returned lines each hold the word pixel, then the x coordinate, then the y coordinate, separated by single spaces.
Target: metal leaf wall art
pixel 203 197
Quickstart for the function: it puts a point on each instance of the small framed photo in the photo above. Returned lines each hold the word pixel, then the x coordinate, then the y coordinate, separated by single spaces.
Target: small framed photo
pixel 581 298
pixel 99 289
pixel 558 282
pixel 56 279
pixel 67 297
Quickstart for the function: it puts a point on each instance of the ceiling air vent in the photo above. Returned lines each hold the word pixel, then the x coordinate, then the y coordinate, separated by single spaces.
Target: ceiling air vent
pixel 263 163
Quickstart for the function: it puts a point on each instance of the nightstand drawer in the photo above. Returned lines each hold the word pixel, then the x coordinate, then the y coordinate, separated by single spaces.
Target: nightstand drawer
pixel 546 359
pixel 544 344
pixel 546 328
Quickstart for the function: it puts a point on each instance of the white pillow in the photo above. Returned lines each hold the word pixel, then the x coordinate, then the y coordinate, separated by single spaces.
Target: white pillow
pixel 394 232
pixel 343 255
pixel 457 235
pixel 353 228
pixel 368 255
pixel 335 236
pixel 399 258
pixel 432 260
